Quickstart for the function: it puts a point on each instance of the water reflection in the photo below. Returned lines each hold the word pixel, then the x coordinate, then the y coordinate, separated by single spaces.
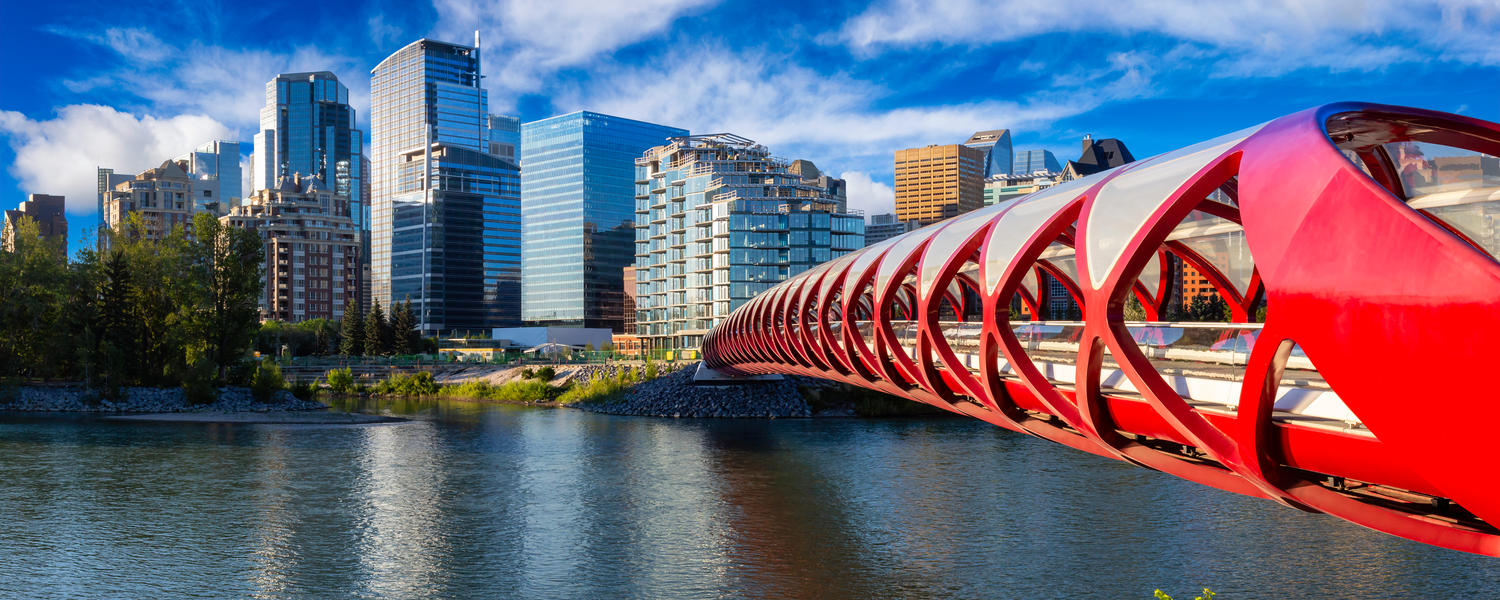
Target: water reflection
pixel 472 500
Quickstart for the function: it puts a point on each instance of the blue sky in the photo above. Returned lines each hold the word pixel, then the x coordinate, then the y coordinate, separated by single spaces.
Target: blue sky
pixel 843 84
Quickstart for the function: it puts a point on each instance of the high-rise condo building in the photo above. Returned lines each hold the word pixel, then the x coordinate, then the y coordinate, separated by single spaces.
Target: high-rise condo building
pixel 1031 161
pixel 215 170
pixel 107 180
pixel 313 265
pixel 50 214
pixel 938 182
pixel 163 196
pixel 997 151
pixel 446 224
pixel 629 280
pixel 578 213
pixel 883 227
pixel 719 220
pixel 505 137
pixel 307 127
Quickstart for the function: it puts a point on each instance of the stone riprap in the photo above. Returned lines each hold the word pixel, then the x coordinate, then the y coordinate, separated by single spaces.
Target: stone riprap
pixel 143 400
pixel 674 395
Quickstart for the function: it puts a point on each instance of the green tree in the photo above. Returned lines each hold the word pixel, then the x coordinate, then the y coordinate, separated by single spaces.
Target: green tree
pixel 39 315
pixel 116 330
pixel 377 332
pixel 229 266
pixel 352 330
pixel 404 338
pixel 1208 308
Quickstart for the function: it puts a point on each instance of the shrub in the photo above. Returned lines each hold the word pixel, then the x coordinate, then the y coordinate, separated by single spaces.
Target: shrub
pixel 597 389
pixel 415 384
pixel 341 381
pixel 528 373
pixel 650 371
pixel 520 390
pixel 546 373
pixel 198 380
pixel 267 381
pixel 305 391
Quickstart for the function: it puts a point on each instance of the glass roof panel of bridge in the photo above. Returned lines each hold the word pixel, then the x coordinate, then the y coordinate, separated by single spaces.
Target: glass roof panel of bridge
pixel 946 242
pixel 1125 203
pixel 1016 226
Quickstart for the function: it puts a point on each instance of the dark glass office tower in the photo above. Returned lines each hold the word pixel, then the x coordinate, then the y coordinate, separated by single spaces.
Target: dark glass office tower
pixel 446 224
pixel 578 210
pixel 307 127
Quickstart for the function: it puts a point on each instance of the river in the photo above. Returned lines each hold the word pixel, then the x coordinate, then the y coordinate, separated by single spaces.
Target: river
pixel 483 501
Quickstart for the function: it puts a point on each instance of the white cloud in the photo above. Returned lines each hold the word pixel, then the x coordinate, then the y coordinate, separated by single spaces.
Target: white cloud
pixel 1247 37
pixel 198 78
pixel 866 194
pixel 834 120
pixel 525 40
pixel 59 155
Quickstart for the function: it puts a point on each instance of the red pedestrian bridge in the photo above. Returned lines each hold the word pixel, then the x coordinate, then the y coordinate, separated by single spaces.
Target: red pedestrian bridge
pixel 1354 248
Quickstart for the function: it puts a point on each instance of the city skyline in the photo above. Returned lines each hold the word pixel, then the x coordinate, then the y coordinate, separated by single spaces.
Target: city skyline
pixel 870 80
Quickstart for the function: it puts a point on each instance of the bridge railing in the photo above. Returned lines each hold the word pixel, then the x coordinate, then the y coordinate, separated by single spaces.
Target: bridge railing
pixel 1223 348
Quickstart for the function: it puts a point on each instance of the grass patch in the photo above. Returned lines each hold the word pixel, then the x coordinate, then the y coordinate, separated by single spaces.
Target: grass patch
pixel 420 383
pixel 597 390
pixel 520 390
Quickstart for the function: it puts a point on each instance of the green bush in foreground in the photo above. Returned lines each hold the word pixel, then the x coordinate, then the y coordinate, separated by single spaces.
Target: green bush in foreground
pixel 420 383
pixel 267 381
pixel 341 381
pixel 520 390
pixel 305 391
pixel 598 389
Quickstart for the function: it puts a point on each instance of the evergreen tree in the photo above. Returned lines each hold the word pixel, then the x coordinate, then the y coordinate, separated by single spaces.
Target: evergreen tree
pixel 115 328
pixel 353 331
pixel 404 339
pixel 377 332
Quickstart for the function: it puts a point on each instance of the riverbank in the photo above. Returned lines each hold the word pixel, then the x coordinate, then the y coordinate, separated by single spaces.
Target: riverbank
pixel 674 395
pixel 145 400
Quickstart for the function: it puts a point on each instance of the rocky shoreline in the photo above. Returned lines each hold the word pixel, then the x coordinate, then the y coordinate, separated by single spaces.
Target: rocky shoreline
pixel 144 400
pixel 674 395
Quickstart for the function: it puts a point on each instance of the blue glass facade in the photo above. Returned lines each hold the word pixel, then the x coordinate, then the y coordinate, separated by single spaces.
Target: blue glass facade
pixel 578 214
pixel 1031 161
pixel 215 169
pixel 307 126
pixel 446 219
pixel 998 156
pixel 505 137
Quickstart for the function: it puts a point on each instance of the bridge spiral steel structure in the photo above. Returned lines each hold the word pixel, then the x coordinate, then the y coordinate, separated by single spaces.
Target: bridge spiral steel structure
pixel 1364 234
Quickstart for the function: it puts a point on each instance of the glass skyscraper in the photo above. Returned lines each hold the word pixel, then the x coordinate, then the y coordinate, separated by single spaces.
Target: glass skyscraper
pixel 1031 161
pixel 578 212
pixel 446 213
pixel 998 159
pixel 215 169
pixel 505 137
pixel 307 127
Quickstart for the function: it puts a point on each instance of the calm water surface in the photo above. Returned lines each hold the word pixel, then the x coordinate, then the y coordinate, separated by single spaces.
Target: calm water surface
pixel 474 501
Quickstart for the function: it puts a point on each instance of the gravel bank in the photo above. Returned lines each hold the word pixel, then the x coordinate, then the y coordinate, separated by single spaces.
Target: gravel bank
pixel 144 400
pixel 674 395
